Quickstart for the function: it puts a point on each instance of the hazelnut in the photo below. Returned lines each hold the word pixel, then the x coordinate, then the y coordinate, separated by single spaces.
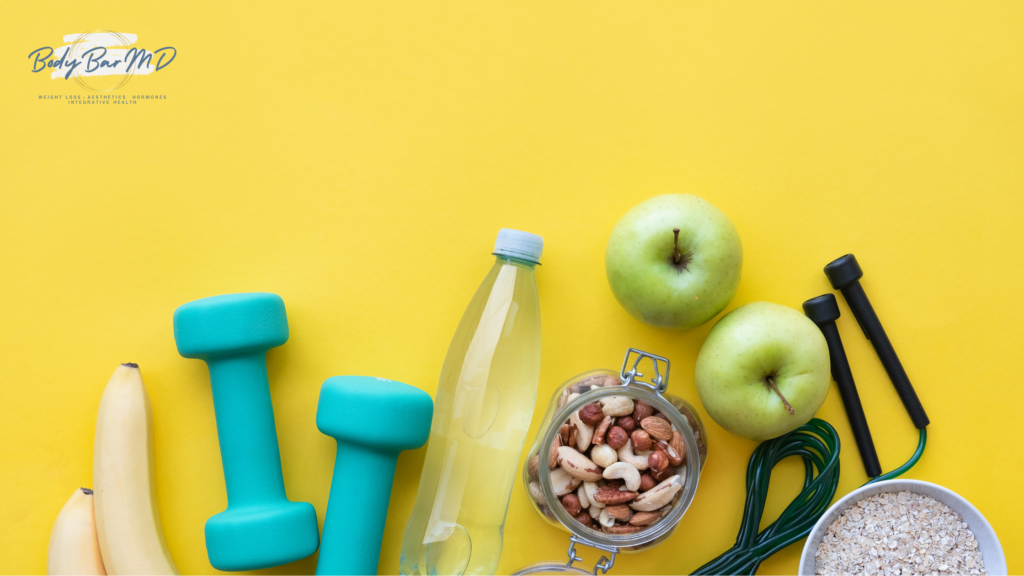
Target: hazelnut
pixel 657 462
pixel 571 503
pixel 641 410
pixel 665 474
pixel 647 482
pixel 641 440
pixel 584 518
pixel 591 414
pixel 626 423
pixel 617 437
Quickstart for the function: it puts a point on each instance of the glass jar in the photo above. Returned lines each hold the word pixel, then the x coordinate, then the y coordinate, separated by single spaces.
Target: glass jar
pixel 546 481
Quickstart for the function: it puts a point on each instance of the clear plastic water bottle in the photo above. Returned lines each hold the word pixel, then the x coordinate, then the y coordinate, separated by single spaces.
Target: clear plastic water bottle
pixel 482 412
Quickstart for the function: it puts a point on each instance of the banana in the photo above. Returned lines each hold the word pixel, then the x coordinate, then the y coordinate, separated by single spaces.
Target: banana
pixel 127 520
pixel 74 548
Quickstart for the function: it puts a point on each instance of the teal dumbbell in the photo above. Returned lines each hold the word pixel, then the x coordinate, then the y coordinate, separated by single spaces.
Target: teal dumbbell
pixel 261 527
pixel 373 420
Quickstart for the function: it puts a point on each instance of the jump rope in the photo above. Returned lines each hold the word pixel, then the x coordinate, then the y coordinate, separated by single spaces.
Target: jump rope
pixel 817 442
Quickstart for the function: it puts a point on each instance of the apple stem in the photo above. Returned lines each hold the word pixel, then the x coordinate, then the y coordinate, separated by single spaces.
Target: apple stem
pixel 677 256
pixel 771 384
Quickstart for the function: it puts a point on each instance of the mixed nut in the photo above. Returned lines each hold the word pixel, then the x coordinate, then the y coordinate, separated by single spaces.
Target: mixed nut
pixel 616 465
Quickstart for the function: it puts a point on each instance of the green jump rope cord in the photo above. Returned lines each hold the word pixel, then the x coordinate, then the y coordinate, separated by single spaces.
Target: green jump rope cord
pixel 818 444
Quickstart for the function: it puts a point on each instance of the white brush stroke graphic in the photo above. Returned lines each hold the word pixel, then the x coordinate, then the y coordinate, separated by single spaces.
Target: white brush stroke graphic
pixel 120 57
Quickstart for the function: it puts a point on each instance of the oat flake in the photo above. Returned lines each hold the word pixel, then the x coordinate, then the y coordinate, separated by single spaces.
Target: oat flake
pixel 899 534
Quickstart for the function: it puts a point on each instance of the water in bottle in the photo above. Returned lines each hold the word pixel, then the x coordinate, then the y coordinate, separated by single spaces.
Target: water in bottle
pixel 482 410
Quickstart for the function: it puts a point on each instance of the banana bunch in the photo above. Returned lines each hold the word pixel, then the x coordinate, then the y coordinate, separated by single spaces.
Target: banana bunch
pixel 115 528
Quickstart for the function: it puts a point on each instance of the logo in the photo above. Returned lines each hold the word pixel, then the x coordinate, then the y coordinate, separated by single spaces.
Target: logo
pixel 101 60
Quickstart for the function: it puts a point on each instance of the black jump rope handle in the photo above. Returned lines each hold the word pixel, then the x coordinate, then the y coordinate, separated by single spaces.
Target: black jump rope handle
pixel 844 273
pixel 824 311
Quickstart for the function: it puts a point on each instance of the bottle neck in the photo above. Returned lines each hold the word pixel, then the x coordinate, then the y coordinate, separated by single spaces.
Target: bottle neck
pixel 502 258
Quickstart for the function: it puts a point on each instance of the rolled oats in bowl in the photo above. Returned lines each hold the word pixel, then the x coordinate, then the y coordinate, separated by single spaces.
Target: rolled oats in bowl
pixel 898 533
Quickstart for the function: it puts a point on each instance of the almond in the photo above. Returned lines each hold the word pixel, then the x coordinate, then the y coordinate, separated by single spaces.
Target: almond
pixel 658 429
pixel 673 456
pixel 677 444
pixel 645 518
pixel 619 512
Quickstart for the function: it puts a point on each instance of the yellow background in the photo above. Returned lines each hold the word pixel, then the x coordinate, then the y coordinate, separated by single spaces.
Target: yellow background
pixel 358 158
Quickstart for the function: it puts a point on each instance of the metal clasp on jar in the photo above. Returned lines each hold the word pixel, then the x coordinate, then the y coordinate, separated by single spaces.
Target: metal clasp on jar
pixel 658 384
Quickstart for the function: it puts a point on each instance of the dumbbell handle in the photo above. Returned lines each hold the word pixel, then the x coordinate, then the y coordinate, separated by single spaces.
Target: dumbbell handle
pixel 245 428
pixel 357 510
pixel 868 320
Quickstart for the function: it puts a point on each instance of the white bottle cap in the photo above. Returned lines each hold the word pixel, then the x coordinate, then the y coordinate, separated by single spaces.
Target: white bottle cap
pixel 519 244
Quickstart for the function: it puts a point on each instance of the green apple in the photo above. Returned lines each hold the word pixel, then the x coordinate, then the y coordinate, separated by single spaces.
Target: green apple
pixel 674 261
pixel 763 371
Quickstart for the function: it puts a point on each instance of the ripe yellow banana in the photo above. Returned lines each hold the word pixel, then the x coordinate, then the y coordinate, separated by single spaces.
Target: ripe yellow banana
pixel 127 521
pixel 74 548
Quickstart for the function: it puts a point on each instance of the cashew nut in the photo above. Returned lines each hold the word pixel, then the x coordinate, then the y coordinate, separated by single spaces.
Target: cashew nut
pixel 638 461
pixel 604 455
pixel 590 488
pixel 595 512
pixel 584 432
pixel 606 519
pixel 536 492
pixel 625 471
pixel 578 465
pixel 581 493
pixel 562 482
pixel 617 406
pixel 658 496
